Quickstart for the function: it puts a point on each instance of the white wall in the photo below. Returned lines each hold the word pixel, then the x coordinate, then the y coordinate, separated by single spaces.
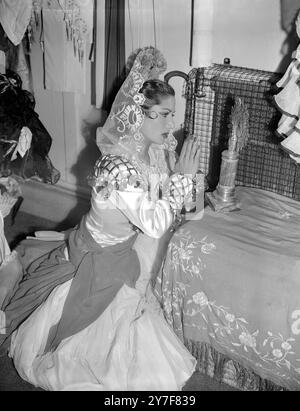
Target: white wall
pixel 248 32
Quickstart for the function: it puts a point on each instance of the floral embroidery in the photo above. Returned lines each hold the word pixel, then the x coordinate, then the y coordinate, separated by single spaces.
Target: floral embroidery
pixel 208 248
pixel 248 340
pixel 187 306
pixel 182 254
pixel 230 318
pixel 285 215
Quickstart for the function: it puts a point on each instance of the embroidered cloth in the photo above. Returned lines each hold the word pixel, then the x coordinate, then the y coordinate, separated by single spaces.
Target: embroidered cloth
pixel 231 281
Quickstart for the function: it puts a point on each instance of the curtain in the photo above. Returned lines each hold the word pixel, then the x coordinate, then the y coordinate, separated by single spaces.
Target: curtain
pixel 203 13
pixel 98 65
pixel 143 24
pixel 115 50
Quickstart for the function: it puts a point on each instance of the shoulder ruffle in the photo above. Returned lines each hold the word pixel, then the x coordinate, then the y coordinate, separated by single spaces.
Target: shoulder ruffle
pixel 113 172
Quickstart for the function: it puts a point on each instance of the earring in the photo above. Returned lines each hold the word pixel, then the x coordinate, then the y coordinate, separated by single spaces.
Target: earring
pixel 153 115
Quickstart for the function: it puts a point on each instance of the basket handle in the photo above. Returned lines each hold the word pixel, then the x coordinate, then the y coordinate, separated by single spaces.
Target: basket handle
pixel 175 73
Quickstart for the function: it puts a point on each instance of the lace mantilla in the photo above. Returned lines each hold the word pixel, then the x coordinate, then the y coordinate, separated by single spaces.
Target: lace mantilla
pixel 121 132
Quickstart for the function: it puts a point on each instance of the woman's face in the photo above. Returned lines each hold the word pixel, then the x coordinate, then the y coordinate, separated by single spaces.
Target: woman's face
pixel 159 121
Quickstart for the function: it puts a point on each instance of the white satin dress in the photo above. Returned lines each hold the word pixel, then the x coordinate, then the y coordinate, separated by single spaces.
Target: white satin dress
pixel 130 346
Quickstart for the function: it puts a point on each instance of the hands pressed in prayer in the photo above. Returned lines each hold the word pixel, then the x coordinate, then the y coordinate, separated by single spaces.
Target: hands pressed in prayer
pixel 188 161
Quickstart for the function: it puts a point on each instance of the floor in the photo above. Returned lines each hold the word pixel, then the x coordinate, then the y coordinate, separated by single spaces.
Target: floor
pixel 26 224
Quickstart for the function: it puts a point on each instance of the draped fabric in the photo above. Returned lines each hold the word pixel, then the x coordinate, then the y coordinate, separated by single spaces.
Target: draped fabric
pixel 90 292
pixel 130 347
pixel 14 20
pixel 203 12
pixel 231 282
pixel 15 58
pixel 115 50
pixel 78 21
pixel 22 132
pixel 61 35
pixel 15 17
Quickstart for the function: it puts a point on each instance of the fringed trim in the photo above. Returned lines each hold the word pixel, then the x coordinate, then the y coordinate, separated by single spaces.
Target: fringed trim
pixel 226 370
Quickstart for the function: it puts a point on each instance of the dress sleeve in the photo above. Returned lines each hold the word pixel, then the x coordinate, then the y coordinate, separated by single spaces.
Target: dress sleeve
pixel 119 185
pixel 179 191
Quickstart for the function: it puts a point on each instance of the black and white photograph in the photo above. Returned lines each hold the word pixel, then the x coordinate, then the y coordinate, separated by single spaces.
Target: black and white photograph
pixel 149 198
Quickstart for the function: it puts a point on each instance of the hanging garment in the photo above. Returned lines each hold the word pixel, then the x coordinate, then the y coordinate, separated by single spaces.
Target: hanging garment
pixel 15 17
pixel 289 10
pixel 15 58
pixel 22 68
pixel 66 32
pixel 63 70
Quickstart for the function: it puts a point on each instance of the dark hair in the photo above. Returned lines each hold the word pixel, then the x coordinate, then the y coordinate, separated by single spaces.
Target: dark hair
pixel 154 91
